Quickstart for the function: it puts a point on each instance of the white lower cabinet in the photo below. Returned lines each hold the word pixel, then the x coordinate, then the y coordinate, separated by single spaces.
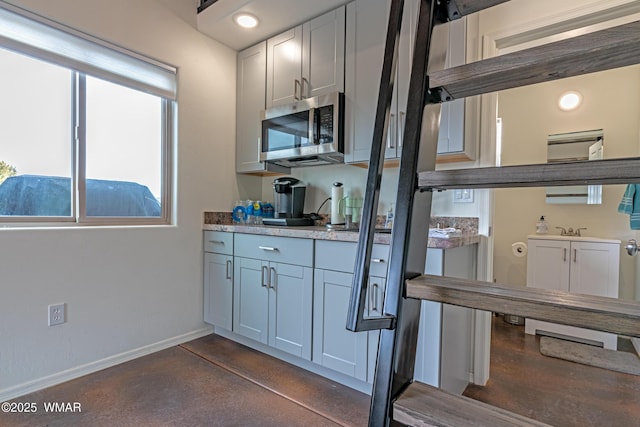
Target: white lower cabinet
pixel 218 279
pixel 335 347
pixel 580 265
pixel 291 295
pixel 273 299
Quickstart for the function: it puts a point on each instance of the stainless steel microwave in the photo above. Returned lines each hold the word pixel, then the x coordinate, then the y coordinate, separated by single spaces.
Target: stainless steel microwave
pixel 309 132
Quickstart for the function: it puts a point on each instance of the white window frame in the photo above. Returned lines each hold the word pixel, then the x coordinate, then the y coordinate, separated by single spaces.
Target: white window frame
pixel 28 34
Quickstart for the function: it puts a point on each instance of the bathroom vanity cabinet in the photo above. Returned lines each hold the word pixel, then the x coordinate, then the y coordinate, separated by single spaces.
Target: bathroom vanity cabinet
pixel 581 265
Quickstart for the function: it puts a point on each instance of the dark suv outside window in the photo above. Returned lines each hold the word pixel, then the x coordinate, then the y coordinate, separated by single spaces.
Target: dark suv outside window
pixel 38 195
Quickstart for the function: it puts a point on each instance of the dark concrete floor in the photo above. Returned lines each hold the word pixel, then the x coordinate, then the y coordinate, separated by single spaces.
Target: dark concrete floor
pixel 554 391
pixel 216 382
pixel 207 382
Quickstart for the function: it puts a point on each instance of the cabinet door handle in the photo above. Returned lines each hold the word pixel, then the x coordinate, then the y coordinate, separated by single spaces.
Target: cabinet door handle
pixel 313 138
pixel 218 242
pixel 272 278
pixel 264 277
pixel 229 269
pixel 268 248
pixel 564 254
pixel 304 95
pixel 391 132
pixel 575 255
pixel 401 121
pixel 296 84
pixel 377 260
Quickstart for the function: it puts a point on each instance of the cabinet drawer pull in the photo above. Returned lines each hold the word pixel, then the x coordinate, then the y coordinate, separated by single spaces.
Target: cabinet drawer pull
pixel 377 260
pixel 217 242
pixel 272 278
pixel 229 269
pixel 264 277
pixel 401 122
pixel 268 248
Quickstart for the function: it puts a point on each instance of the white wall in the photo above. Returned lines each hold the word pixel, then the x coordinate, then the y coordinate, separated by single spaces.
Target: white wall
pixel 136 289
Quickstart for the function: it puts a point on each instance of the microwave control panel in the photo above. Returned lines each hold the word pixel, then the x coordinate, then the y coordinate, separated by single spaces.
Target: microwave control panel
pixel 324 125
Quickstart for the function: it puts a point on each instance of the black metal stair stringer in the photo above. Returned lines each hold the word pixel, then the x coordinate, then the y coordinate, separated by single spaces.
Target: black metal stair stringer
pixel 399 325
pixel 397 347
pixel 355 315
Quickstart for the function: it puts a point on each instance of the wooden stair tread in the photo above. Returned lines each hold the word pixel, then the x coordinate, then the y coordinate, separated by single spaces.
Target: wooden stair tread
pixel 424 405
pixel 586 311
pixel 607 171
pixel 598 51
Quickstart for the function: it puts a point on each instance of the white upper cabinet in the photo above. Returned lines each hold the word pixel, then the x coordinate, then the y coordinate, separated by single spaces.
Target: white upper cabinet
pixel 284 67
pixel 367 22
pixel 323 54
pixel 307 60
pixel 250 101
pixel 459 119
pixel 403 74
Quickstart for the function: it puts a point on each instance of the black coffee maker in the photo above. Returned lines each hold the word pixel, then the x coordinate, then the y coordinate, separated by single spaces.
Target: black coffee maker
pixel 288 195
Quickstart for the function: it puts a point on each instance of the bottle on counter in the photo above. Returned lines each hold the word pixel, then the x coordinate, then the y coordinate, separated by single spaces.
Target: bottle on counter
pixel 388 222
pixel 542 227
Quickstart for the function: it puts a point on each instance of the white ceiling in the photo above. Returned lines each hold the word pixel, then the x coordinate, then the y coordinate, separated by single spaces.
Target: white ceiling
pixel 275 16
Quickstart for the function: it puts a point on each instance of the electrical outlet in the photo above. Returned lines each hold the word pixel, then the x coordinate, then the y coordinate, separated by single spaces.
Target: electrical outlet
pixel 56 314
pixel 463 196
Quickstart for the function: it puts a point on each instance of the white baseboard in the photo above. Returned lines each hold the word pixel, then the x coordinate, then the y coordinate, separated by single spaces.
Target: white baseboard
pixel 78 371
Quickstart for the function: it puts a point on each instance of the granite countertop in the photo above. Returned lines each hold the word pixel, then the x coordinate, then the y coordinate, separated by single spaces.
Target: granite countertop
pixel 323 233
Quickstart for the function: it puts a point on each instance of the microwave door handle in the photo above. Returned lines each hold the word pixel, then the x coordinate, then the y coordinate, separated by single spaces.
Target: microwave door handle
pixel 313 138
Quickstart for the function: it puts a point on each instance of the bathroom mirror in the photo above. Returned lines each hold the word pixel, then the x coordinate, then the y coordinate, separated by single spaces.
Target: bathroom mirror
pixel 572 147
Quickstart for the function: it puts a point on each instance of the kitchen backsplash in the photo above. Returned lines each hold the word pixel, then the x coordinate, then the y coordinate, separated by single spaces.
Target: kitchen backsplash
pixel 468 225
pixel 218 218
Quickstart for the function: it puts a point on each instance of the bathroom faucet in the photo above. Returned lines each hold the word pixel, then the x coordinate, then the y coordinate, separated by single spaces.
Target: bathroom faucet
pixel 570 231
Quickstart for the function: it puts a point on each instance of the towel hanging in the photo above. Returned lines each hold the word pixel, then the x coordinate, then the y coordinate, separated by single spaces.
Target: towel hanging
pixel 630 205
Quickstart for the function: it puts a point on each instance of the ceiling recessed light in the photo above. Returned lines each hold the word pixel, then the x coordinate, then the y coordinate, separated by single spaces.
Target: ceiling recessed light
pixel 570 100
pixel 245 20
